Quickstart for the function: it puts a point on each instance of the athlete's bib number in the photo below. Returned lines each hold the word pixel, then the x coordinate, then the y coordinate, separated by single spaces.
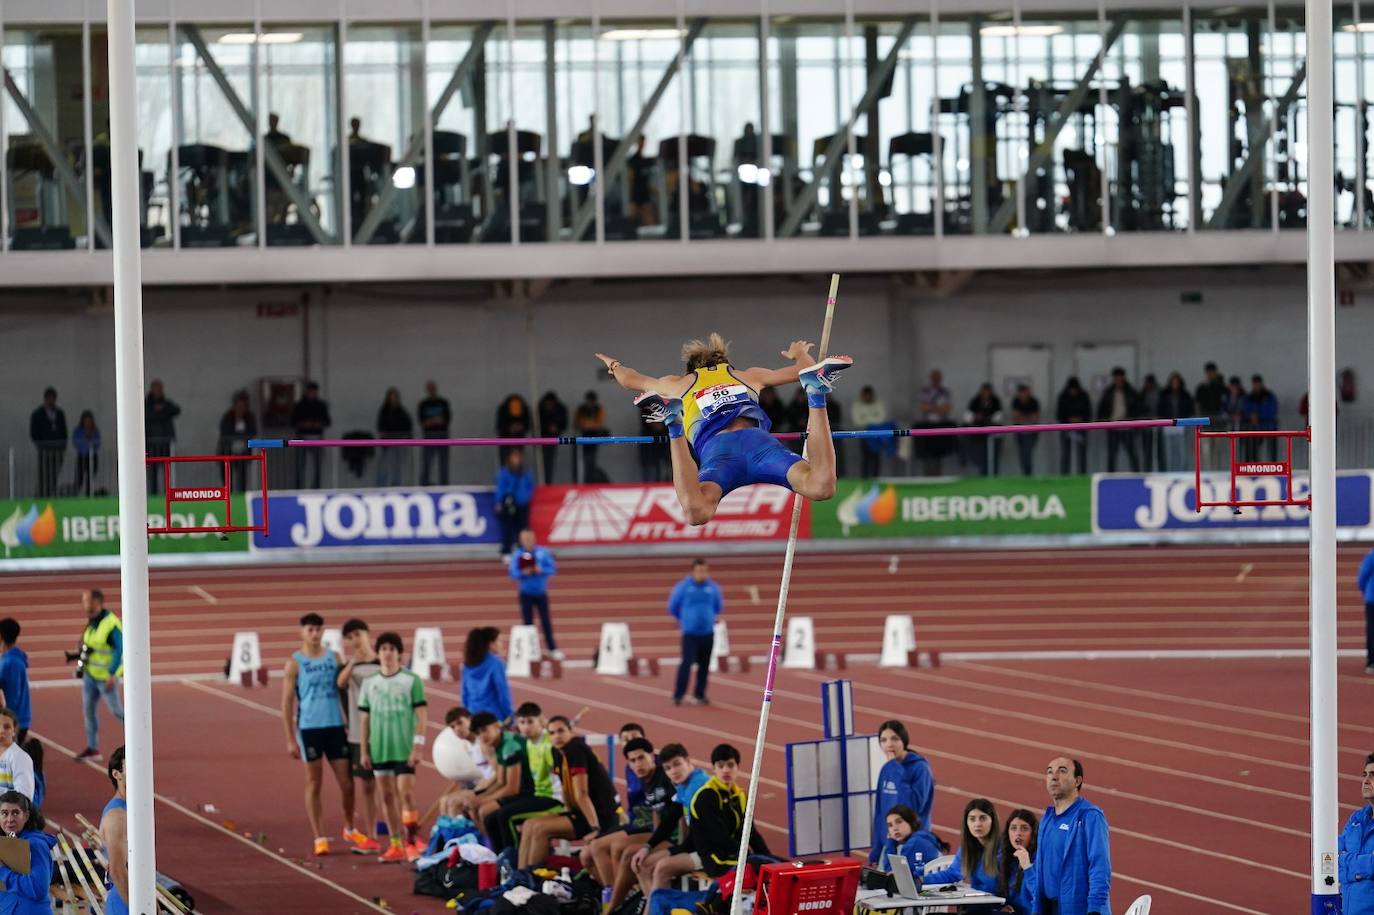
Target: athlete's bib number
pixel 715 398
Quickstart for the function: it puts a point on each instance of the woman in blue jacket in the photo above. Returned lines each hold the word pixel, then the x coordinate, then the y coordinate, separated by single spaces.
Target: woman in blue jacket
pixel 1016 862
pixel 485 687
pixel 26 894
pixel 906 838
pixel 904 779
pixel 975 863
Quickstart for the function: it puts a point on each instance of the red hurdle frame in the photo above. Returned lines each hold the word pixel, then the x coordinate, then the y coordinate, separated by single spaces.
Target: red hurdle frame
pixel 212 493
pixel 1239 468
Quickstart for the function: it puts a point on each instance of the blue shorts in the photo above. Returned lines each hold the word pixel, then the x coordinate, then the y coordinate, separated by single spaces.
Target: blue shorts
pixel 735 459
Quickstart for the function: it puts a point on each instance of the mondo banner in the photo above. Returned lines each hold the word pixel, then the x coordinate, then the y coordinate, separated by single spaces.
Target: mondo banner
pixel 978 506
pixel 650 513
pixel 1167 502
pixel 375 518
pixel 43 528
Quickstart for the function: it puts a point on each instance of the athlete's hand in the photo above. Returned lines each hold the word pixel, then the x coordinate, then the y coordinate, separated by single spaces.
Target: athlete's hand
pixel 365 759
pixel 608 360
pixel 293 749
pixel 800 349
pixel 414 759
pixel 638 860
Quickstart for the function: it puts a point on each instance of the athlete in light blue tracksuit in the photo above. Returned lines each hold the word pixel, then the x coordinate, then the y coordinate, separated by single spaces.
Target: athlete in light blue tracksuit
pixel 1356 851
pixel 1073 863
pixel 904 779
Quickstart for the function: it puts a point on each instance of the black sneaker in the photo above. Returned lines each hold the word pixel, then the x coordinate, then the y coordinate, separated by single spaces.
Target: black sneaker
pixel 90 753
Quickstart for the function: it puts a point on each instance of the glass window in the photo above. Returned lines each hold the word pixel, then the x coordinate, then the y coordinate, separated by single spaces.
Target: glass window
pixel 580 73
pixel 457 91
pixel 297 67
pixel 724 148
pixel 45 140
pixel 216 156
pixel 385 101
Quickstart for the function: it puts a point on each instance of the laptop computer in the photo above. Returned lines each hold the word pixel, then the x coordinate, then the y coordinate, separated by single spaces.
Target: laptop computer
pixel 907 885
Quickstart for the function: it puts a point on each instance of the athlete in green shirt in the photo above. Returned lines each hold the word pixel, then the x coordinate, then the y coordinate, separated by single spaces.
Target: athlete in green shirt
pixel 391 711
pixel 536 795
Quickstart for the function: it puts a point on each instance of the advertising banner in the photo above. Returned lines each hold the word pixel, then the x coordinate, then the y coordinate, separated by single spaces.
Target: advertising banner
pixel 650 513
pixel 337 519
pixel 977 506
pixel 45 528
pixel 1164 502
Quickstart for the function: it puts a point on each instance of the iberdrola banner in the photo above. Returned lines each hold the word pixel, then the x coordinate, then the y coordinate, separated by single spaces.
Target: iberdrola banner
pixel 40 528
pixel 974 507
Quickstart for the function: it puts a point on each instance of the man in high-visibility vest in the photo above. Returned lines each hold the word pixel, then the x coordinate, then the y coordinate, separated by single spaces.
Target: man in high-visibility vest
pixel 103 647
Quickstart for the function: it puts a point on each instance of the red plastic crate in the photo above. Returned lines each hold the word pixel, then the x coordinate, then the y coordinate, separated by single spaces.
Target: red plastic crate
pixel 809 887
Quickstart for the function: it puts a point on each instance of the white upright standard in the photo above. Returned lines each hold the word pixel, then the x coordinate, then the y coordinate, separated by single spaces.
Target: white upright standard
pixel 133 485
pixel 1321 369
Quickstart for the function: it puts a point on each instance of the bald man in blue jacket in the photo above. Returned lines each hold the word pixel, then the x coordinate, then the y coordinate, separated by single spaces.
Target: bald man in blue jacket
pixel 1072 858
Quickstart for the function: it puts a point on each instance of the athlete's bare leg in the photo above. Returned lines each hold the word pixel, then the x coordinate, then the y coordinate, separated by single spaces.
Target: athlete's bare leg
pixel 814 477
pixel 698 499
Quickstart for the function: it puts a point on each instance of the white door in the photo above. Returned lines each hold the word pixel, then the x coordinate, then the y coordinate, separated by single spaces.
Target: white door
pixel 1010 366
pixel 1093 364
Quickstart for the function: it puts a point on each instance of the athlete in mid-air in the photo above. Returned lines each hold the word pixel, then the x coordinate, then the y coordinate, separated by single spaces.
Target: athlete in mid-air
pixel 714 407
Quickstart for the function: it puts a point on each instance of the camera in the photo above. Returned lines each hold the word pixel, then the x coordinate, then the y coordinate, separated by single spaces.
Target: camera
pixel 80 656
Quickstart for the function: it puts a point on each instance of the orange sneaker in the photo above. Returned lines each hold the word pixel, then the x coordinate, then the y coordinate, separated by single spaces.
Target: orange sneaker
pixel 321 847
pixel 354 837
pixel 367 847
pixel 393 853
pixel 414 852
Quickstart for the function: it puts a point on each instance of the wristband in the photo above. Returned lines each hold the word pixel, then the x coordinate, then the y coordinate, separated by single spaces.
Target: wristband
pixel 615 364
pixel 419 740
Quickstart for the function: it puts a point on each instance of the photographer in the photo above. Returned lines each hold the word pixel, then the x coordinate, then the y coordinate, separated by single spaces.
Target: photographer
pixel 99 664
pixel 514 493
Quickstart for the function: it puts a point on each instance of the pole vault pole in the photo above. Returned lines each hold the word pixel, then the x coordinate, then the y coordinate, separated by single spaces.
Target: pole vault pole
pixel 133 487
pixel 775 650
pixel 1321 369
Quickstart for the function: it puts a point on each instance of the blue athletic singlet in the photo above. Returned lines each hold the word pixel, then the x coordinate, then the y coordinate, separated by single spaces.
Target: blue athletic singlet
pixel 317 691
pixel 114 904
pixel 732 459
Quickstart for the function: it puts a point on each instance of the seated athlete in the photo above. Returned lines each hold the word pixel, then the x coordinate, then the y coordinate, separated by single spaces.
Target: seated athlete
pixel 714 407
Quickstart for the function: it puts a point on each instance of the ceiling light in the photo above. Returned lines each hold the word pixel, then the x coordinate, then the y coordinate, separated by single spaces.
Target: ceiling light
pixel 581 175
pixel 1012 31
pixel 265 38
pixel 641 34
pixel 403 179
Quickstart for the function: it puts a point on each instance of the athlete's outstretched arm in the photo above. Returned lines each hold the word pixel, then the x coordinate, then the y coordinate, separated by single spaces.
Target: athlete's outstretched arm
pixel 800 354
pixel 628 378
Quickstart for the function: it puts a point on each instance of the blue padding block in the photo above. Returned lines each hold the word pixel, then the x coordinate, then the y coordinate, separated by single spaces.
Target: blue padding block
pixel 1193 421
pixel 266 443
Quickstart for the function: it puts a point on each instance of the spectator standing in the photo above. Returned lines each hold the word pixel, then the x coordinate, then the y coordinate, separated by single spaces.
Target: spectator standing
pixel 590 420
pixel 435 416
pixel 514 493
pixel 553 422
pixel 1365 580
pixel 1355 850
pixel 1174 402
pixel 1233 404
pixel 532 566
pixel 835 414
pixel 309 419
pixel 1211 395
pixel 236 427
pixel 360 662
pixel 905 779
pixel 985 409
pixel 696 602
pixel 485 687
pixel 1149 438
pixel 1025 410
pixel 1119 402
pixel 16 766
pixel 159 431
pixel 393 716
pixel 936 403
pixel 393 421
pixel 869 413
pixel 654 459
pixel 86 444
pixel 103 646
pixel 772 406
pixel 48 432
pixel 1260 413
pixel 14 676
pixel 512 420
pixel 798 414
pixel 1074 407
pixel 1073 863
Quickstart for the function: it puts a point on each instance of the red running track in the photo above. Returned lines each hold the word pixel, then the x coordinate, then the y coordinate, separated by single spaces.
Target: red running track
pixel 1203 776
